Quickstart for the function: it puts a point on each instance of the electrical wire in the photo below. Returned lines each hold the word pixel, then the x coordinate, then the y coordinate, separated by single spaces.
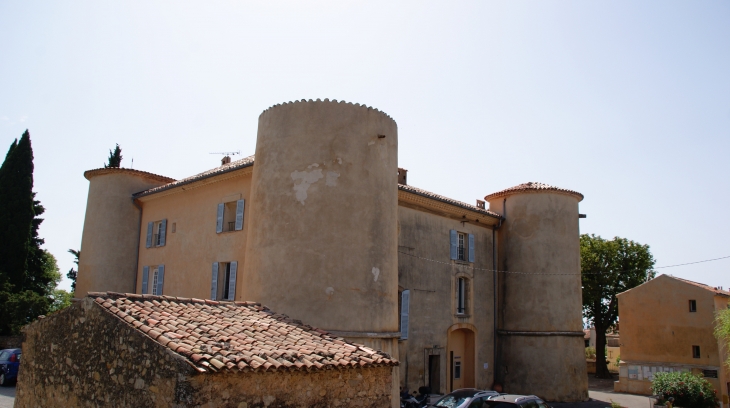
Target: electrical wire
pixel 541 273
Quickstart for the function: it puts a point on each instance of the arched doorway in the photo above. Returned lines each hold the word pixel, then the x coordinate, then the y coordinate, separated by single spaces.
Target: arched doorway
pixel 461 369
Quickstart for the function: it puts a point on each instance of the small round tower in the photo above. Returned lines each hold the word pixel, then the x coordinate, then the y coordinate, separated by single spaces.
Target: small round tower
pixel 111 232
pixel 541 342
pixel 323 241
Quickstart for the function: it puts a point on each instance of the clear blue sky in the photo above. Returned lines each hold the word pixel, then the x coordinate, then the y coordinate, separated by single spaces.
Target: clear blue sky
pixel 627 102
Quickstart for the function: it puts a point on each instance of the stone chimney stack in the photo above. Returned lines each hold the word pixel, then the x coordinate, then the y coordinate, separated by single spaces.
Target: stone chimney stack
pixel 402 176
pixel 225 160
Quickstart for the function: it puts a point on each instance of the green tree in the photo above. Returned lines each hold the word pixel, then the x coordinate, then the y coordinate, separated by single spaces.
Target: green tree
pixel 16 211
pixel 115 158
pixel 609 268
pixel 61 300
pixel 722 330
pixel 73 273
pixel 28 273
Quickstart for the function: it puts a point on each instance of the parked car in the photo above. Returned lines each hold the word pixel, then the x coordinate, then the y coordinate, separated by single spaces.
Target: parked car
pixel 9 364
pixel 512 401
pixel 465 397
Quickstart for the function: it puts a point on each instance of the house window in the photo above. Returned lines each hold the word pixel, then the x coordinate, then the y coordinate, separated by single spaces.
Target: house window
pixel 457 370
pixel 223 281
pixel 692 306
pixel 695 351
pixel 153 279
pixel 461 296
pixel 461 254
pixel 230 216
pixel 404 305
pixel 156 233
pixel 462 246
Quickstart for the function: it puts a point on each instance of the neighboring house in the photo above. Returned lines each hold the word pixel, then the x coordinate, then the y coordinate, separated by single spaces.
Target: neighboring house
pixel 613 350
pixel 120 350
pixel 667 324
pixel 322 225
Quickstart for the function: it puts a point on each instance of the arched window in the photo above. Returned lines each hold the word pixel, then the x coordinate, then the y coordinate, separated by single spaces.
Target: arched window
pixel 461 290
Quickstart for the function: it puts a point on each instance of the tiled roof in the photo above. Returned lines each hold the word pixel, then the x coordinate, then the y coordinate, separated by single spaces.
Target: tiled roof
pixel 236 336
pixel 533 186
pixel 112 170
pixel 428 194
pixel 712 289
pixel 232 166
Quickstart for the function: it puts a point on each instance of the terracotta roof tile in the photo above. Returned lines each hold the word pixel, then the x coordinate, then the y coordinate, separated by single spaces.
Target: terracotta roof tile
pixel 712 289
pixel 428 194
pixel 232 166
pixel 533 186
pixel 236 336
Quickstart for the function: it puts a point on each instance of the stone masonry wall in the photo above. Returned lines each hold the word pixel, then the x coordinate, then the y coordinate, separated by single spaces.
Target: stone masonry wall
pixel 355 387
pixel 84 356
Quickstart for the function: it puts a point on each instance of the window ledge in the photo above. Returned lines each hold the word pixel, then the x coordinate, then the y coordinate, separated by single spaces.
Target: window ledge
pixel 462 315
pixel 462 262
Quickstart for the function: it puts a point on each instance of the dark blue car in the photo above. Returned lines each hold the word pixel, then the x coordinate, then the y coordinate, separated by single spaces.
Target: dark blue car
pixel 9 364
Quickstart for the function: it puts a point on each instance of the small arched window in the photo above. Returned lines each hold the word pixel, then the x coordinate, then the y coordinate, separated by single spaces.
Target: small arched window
pixel 461 296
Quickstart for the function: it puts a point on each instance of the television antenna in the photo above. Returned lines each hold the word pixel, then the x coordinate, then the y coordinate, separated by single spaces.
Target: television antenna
pixel 227 153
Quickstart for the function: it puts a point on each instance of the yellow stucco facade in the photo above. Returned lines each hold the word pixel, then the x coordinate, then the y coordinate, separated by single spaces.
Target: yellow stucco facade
pixel 667 324
pixel 322 226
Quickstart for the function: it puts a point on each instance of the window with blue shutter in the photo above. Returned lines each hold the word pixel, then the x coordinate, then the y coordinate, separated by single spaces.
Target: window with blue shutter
pixel 150 227
pixel 163 232
pixel 404 313
pixel 454 244
pixel 160 279
pixel 232 281
pixel 214 282
pixel 219 218
pixel 239 215
pixel 471 247
pixel 145 279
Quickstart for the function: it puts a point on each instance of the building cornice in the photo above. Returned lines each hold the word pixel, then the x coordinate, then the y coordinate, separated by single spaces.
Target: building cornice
pixel 432 205
pixel 241 172
pixel 88 174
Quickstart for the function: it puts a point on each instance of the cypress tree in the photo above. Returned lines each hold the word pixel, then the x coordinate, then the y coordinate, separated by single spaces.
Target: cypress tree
pixel 16 211
pixel 28 273
pixel 115 158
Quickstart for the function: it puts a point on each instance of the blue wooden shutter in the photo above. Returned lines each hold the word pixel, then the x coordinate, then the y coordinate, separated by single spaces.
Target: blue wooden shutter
pixel 160 279
pixel 219 219
pixel 404 313
pixel 471 247
pixel 163 232
pixel 145 278
pixel 150 227
pixel 454 245
pixel 232 281
pixel 214 282
pixel 239 215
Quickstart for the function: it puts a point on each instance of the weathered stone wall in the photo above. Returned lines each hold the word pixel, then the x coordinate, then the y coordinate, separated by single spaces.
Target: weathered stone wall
pixel 85 357
pixel 366 387
pixel 8 342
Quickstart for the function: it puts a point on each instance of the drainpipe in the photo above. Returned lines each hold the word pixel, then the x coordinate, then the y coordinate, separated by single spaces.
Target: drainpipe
pixel 496 289
pixel 139 237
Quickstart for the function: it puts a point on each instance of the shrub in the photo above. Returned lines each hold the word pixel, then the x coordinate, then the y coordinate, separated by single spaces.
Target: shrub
pixel 688 390
pixel 590 352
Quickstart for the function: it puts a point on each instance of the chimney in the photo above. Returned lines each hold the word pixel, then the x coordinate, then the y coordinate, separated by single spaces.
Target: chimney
pixel 481 204
pixel 225 160
pixel 402 176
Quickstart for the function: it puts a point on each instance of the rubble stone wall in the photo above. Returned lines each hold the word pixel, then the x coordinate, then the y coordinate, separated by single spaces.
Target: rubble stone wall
pixel 85 357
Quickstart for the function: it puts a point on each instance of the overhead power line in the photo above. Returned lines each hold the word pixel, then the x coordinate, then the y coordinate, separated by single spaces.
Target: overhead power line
pixel 542 273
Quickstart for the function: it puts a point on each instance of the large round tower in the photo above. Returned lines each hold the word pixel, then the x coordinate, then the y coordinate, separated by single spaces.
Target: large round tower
pixel 323 242
pixel 111 232
pixel 541 344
